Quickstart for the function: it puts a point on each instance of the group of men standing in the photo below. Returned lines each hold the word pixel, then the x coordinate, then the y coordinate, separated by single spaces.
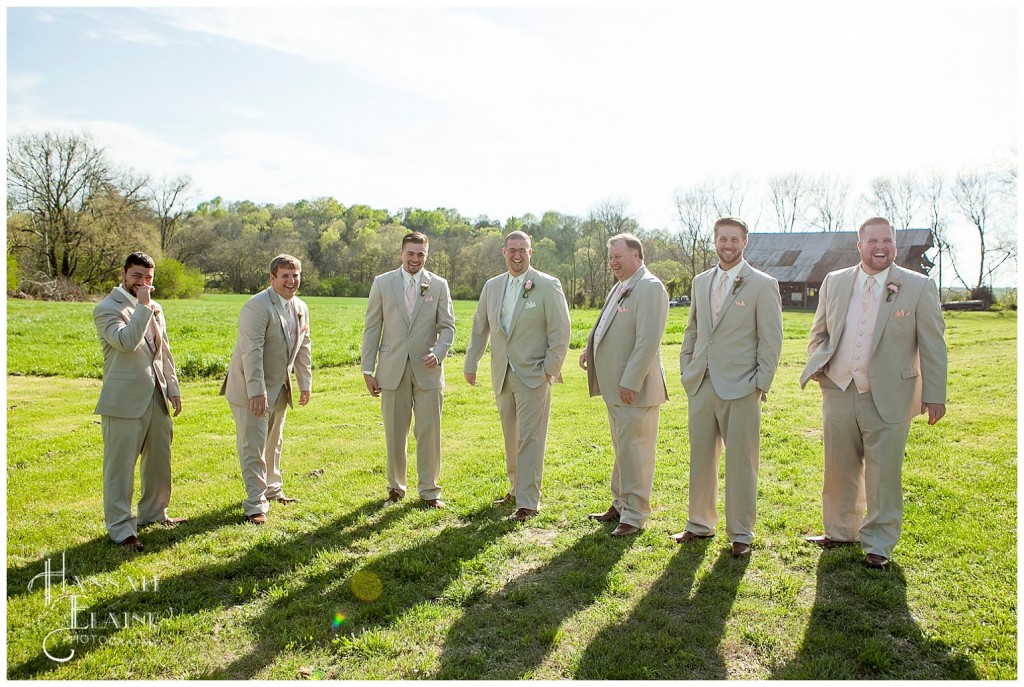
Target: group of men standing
pixel 876 349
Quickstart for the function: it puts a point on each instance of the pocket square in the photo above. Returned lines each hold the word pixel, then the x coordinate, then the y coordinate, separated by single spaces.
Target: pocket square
pixel 622 308
pixel 741 304
pixel 530 304
pixel 901 313
pixel 428 299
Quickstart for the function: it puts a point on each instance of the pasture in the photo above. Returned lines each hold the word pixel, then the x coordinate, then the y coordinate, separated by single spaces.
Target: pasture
pixel 336 587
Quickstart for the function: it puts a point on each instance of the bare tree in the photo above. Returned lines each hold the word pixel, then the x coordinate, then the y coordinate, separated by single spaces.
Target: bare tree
pixel 974 193
pixel 693 212
pixel 53 178
pixel 933 196
pixel 828 196
pixel 787 194
pixel 168 199
pixel 895 198
pixel 727 196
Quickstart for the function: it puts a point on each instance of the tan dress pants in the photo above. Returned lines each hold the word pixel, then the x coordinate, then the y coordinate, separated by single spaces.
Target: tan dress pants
pixel 635 439
pixel 524 413
pixel 398 407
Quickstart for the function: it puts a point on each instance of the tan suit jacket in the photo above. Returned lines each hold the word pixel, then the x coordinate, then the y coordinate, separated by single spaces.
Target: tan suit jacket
pixel 535 346
pixel 390 340
pixel 131 370
pixel 629 354
pixel 262 362
pixel 538 337
pixel 742 350
pixel 133 419
pixel 908 352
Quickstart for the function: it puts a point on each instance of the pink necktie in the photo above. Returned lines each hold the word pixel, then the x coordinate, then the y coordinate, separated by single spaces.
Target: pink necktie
pixel 867 296
pixel 718 297
pixel 410 297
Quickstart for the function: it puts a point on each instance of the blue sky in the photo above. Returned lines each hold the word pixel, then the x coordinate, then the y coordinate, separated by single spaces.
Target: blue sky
pixel 508 111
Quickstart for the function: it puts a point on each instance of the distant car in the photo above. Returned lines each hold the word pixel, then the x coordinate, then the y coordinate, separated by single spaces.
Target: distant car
pixel 679 302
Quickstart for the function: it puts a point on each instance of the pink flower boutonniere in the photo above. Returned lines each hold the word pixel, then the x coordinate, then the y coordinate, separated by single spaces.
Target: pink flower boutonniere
pixel 624 293
pixel 737 284
pixel 424 285
pixel 891 289
pixel 527 287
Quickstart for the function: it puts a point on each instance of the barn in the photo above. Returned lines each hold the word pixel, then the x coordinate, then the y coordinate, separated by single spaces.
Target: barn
pixel 800 261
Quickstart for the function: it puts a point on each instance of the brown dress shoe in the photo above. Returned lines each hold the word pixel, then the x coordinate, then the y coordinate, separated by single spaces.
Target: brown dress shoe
pixel 131 543
pixel 256 518
pixel 522 514
pixel 435 503
pixel 824 542
pixel 393 497
pixel 286 499
pixel 688 536
pixel 624 530
pixel 507 498
pixel 873 560
pixel 610 515
pixel 739 549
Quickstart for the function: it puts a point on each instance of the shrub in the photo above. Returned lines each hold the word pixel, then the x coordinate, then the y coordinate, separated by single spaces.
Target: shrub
pixel 12 273
pixel 174 280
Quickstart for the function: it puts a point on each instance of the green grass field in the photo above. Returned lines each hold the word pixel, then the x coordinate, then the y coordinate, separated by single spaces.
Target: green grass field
pixel 336 587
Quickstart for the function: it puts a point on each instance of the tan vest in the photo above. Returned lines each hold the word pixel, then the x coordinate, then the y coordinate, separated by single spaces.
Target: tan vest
pixel 851 361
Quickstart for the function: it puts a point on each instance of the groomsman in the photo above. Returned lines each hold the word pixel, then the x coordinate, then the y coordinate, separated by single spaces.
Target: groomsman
pixel 623 364
pixel 524 314
pixel 273 341
pixel 731 349
pixel 878 353
pixel 140 387
pixel 407 333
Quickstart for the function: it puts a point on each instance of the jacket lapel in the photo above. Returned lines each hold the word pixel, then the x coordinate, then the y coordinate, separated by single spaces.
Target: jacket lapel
pixel 843 295
pixel 520 302
pixel 418 296
pixel 885 306
pixel 730 295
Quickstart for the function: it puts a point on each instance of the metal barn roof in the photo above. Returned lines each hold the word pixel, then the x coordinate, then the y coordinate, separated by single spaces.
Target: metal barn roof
pixel 807 257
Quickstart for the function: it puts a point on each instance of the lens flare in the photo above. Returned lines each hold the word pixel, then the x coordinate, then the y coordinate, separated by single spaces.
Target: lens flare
pixel 366 586
pixel 339 619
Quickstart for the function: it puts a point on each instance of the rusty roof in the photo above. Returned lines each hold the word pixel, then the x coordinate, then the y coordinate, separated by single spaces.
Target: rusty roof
pixel 803 257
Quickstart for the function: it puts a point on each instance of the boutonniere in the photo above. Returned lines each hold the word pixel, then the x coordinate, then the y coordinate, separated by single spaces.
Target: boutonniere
pixel 623 294
pixel 891 289
pixel 156 311
pixel 527 287
pixel 737 284
pixel 424 285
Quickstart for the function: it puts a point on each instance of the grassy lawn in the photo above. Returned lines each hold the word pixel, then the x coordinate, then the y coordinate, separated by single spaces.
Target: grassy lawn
pixel 337 587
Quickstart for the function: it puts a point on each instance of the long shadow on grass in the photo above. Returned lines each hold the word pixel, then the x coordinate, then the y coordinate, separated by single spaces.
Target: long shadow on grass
pixel 234 582
pixel 861 628
pixel 675 631
pixel 429 572
pixel 509 633
pixel 100 554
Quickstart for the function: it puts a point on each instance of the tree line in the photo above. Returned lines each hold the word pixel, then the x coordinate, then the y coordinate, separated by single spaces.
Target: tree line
pixel 73 214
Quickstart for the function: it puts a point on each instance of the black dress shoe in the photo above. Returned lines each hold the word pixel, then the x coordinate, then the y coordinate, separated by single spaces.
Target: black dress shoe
pixel 873 560
pixel 131 543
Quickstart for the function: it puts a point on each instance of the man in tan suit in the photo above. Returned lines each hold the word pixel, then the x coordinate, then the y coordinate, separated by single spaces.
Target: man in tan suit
pixel 730 352
pixel 408 330
pixel 140 385
pixel 273 341
pixel 623 364
pixel 877 351
pixel 524 314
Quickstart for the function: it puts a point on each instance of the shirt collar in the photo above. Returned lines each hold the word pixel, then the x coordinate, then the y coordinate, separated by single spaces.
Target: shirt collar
pixel 131 299
pixel 280 299
pixel 862 277
pixel 733 271
pixel 416 278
